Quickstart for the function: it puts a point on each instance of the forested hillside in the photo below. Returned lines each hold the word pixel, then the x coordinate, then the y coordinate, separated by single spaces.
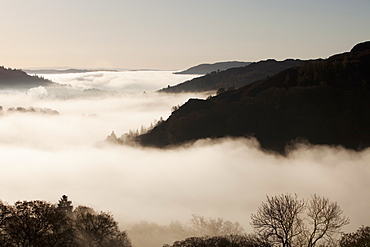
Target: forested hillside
pixel 14 78
pixel 325 102
pixel 208 68
pixel 233 77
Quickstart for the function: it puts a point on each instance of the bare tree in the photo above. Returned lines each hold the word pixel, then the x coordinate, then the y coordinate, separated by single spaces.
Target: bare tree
pixel 281 220
pixel 325 220
pixel 278 220
pixel 202 226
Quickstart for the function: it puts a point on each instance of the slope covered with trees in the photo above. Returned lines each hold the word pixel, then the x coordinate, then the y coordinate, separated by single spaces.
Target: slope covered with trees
pixel 323 102
pixel 14 78
pixel 208 68
pixel 233 77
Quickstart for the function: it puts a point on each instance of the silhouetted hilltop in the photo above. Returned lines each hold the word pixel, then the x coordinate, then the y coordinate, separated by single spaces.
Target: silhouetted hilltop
pixel 14 78
pixel 234 77
pixel 323 102
pixel 361 47
pixel 205 68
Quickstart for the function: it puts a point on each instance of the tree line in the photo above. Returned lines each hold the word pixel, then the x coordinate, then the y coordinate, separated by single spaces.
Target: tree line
pixel 39 223
pixel 12 78
pixel 149 234
pixel 129 137
pixel 283 220
pixel 287 221
pixel 31 109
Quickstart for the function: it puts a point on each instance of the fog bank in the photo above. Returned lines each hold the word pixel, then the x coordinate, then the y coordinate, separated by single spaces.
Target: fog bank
pixel 127 81
pixel 227 179
pixel 46 156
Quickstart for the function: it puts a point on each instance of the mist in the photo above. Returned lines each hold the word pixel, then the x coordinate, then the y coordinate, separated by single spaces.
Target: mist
pixel 135 81
pixel 45 156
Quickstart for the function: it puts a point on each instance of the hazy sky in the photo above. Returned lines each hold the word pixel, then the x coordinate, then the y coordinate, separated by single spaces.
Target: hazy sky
pixel 174 34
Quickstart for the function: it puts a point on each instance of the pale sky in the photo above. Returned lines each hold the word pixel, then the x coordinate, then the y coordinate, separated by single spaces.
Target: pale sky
pixel 175 34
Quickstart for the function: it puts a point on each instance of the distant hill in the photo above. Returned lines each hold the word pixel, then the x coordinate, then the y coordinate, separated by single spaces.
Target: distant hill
pixel 14 78
pixel 325 102
pixel 31 109
pixel 205 68
pixel 60 71
pixel 234 77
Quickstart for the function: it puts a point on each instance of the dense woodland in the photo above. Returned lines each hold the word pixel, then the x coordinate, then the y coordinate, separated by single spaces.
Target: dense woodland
pixel 323 102
pixel 39 223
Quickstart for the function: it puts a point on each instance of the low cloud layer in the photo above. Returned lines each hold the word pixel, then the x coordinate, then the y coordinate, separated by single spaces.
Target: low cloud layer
pixel 44 157
pixel 227 179
pixel 126 81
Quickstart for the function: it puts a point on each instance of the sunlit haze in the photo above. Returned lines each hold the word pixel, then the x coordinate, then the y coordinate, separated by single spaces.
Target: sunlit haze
pixel 175 34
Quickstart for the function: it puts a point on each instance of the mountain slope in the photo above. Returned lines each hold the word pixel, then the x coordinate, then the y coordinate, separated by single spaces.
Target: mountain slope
pixel 323 102
pixel 13 79
pixel 208 68
pixel 234 77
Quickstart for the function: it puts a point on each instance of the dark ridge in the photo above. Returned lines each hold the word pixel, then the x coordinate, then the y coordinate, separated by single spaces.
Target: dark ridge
pixel 361 47
pixel 233 77
pixel 202 69
pixel 323 102
pixel 14 78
